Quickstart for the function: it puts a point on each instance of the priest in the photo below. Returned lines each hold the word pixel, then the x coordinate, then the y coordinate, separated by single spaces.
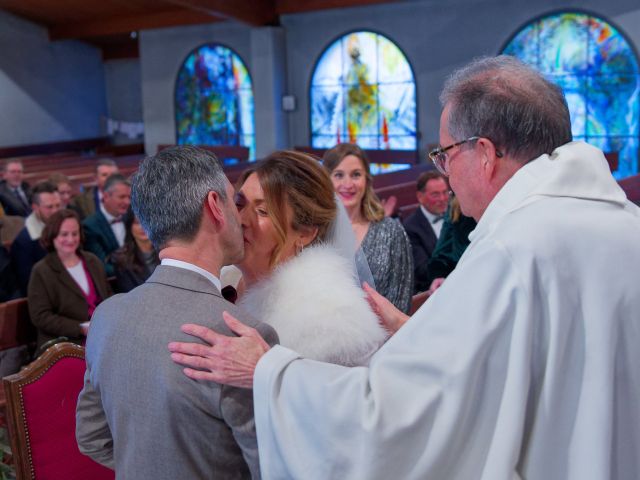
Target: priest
pixel 524 364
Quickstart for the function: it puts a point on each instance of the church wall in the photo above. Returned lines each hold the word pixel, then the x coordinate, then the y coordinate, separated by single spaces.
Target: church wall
pixel 124 94
pixel 49 91
pixel 53 91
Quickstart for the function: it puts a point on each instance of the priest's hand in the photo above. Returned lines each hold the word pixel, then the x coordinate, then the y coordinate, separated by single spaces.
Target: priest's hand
pixel 436 284
pixel 390 317
pixel 227 360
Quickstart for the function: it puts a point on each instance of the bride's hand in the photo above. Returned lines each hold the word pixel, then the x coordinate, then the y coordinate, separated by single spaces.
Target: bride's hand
pixel 390 317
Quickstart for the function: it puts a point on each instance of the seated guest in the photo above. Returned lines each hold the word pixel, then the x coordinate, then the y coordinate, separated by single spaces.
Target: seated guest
pixel 88 202
pixel 26 249
pixel 67 284
pixel 382 240
pixel 14 193
pixel 63 184
pixel 136 260
pixel 424 225
pixel 104 230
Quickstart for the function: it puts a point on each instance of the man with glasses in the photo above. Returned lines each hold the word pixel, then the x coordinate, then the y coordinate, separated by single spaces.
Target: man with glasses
pixel 524 364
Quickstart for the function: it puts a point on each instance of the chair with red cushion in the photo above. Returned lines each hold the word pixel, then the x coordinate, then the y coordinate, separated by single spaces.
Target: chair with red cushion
pixel 41 413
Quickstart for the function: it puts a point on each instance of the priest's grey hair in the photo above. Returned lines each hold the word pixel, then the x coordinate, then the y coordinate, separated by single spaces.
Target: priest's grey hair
pixel 510 103
pixel 169 190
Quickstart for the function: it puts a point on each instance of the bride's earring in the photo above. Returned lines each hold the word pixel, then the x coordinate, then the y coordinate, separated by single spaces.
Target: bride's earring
pixel 299 248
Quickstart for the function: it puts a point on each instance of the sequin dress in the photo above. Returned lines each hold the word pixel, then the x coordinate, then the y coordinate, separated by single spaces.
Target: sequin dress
pixel 388 252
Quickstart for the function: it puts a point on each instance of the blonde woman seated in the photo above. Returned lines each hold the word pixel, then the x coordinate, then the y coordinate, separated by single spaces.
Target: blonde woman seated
pixel 298 273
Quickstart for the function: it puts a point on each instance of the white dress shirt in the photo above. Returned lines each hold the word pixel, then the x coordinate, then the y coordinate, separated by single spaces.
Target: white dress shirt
pixel 194 268
pixel 117 228
pixel 437 226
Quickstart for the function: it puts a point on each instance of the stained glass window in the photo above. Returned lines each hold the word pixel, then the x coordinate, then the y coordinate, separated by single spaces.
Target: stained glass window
pixel 598 71
pixel 214 99
pixel 363 91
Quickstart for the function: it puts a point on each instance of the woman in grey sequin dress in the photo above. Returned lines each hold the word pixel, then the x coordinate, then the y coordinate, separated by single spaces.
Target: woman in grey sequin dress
pixel 383 240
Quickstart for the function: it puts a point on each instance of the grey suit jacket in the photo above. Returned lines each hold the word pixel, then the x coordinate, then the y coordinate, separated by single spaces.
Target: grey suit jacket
pixel 138 413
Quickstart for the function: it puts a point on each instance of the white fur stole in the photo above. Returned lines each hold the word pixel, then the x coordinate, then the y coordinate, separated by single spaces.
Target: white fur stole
pixel 314 303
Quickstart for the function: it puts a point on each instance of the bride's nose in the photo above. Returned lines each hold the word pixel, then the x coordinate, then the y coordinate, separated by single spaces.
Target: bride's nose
pixel 245 216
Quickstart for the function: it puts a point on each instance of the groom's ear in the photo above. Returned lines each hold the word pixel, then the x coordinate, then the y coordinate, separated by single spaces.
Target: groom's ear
pixel 214 209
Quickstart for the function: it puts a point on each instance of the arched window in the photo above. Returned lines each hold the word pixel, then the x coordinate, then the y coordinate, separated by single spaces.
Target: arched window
pixel 214 99
pixel 363 91
pixel 598 71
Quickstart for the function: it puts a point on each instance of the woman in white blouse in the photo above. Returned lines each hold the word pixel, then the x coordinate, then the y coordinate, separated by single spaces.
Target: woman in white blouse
pixel 65 286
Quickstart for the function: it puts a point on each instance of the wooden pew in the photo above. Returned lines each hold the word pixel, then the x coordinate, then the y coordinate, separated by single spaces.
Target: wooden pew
pixel 631 186
pixel 98 145
pixel 401 176
pixel 17 336
pixel 80 170
pixel 223 152
pixel 16 328
pixel 85 144
pixel 375 156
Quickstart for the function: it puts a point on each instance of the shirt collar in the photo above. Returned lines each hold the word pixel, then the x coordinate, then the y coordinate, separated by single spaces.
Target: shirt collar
pixel 106 214
pixel 171 262
pixel 34 226
pixel 430 216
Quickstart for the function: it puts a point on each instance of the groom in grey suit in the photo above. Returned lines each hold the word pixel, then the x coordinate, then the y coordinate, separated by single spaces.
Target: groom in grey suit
pixel 137 412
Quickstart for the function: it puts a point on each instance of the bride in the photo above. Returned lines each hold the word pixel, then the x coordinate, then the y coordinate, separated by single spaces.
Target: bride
pixel 299 272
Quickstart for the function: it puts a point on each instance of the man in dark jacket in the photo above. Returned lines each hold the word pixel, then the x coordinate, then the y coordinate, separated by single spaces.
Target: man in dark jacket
pixel 26 250
pixel 424 225
pixel 14 193
pixel 104 230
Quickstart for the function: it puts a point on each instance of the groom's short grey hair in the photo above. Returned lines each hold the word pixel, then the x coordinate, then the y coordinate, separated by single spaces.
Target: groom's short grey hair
pixel 169 190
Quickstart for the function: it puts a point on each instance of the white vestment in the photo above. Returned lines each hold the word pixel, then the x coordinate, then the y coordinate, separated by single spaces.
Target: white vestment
pixel 524 364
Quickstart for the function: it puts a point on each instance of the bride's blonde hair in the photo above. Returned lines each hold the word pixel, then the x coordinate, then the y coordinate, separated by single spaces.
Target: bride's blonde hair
pixel 298 180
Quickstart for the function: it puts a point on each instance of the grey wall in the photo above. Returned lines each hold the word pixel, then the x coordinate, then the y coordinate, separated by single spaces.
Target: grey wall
pixel 49 91
pixel 124 93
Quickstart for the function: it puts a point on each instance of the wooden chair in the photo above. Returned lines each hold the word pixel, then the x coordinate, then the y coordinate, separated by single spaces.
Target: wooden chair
pixel 15 325
pixel 17 336
pixel 41 412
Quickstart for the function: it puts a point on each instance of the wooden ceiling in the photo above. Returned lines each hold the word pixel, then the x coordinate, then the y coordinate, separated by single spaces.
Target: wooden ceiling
pixel 113 24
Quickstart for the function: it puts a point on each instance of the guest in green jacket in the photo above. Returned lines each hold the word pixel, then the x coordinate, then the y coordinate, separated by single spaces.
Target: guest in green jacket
pixel 453 241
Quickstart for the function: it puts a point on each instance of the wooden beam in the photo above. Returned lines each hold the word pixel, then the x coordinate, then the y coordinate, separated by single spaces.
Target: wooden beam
pixel 127 24
pixel 297 6
pixel 252 12
pixel 120 50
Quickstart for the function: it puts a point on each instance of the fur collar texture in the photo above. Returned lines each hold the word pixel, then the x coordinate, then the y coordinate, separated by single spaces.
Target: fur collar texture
pixel 314 303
